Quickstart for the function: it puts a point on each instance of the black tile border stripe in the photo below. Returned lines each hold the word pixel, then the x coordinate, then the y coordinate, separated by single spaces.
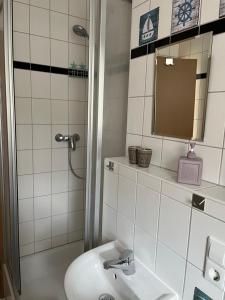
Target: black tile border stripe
pixel 49 69
pixel 216 27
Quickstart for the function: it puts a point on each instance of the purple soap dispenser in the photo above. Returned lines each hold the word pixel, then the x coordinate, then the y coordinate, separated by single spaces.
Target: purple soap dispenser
pixel 190 168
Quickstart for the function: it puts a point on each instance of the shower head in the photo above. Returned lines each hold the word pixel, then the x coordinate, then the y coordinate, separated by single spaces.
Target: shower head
pixel 80 31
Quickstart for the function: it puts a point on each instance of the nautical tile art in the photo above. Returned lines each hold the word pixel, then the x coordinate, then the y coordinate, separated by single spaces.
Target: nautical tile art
pixel 148 29
pixel 185 14
pixel 222 8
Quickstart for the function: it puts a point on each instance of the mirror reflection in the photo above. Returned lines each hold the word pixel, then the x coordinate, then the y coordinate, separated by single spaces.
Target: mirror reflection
pixel 181 88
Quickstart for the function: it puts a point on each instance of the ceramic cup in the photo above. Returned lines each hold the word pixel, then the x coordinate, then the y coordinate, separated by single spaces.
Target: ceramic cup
pixel 144 156
pixel 132 152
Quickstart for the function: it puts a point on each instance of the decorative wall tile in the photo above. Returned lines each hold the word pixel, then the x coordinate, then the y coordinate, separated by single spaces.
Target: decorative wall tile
pixel 222 8
pixel 185 14
pixel 148 30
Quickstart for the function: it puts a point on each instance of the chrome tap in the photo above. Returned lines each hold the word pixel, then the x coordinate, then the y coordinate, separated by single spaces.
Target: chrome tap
pixel 125 263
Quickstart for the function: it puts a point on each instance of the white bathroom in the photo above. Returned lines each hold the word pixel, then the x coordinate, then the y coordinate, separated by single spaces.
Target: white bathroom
pixel 112 149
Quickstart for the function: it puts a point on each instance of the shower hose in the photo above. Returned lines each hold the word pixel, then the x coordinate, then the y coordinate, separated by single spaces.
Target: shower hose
pixel 70 164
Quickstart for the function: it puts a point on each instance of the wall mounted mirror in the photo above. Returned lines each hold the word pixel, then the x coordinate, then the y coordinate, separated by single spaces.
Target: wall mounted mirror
pixel 181 88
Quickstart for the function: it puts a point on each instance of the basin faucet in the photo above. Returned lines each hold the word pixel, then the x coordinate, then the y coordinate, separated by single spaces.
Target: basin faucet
pixel 125 263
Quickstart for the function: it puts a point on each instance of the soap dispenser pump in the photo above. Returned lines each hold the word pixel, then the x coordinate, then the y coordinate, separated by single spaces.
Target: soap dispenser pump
pixel 190 168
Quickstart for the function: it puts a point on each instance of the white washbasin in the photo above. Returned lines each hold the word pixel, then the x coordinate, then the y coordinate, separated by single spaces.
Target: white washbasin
pixel 86 278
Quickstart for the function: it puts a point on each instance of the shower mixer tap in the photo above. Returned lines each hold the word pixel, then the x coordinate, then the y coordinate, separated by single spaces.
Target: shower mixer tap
pixel 70 139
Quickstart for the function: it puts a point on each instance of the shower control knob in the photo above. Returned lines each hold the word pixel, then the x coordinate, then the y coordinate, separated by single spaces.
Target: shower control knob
pixel 214 275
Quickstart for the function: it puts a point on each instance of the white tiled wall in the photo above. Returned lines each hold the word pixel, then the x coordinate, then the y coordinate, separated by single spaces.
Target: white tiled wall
pixel 51 200
pixel 166 151
pixel 154 217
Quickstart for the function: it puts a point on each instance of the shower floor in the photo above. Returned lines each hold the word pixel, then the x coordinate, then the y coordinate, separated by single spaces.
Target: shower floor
pixel 43 274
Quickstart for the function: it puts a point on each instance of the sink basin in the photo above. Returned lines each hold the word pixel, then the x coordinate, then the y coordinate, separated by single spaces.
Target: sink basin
pixel 86 279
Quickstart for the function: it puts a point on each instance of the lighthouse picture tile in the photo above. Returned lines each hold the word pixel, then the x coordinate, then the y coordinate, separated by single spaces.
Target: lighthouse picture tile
pixel 185 14
pixel 222 8
pixel 148 30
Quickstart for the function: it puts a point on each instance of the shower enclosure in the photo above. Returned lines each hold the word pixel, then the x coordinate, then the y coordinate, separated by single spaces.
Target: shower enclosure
pixel 66 111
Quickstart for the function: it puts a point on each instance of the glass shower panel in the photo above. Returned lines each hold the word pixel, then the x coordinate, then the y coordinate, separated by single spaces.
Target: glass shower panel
pixel 113 90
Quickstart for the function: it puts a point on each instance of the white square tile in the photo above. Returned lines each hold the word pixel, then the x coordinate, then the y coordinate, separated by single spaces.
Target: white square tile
pixel 59 54
pixel 76 200
pixel 76 183
pixel 42 207
pixel 127 198
pixel 40 50
pixel 77 54
pixel 75 236
pixel 60 6
pixel 209 11
pixel 127 172
pixel 59 203
pixel 222 170
pixel 73 38
pixel 21 47
pixel 25 186
pixel 148 114
pixel 78 8
pixel 170 268
pixel 206 226
pixel 40 3
pixel 76 221
pixel 39 21
pixel 211 162
pixel 41 136
pixel 153 183
pixel 59 225
pixel 150 75
pixel 110 188
pixel 40 85
pixel 165 15
pixel 24 162
pixel 76 112
pixel 41 111
pixel 63 129
pixel 156 146
pixel 59 240
pixel 42 160
pixel 147 210
pixel 24 137
pixel 26 233
pixel 23 110
pixel 215 117
pixel 21 15
pixel 77 89
pixel 26 250
pixel 217 69
pixel 137 12
pixel 22 83
pixel 145 248
pixel 59 182
pixel 174 218
pixel 43 245
pixel 78 158
pixel 135 115
pixel 171 152
pixel 59 87
pixel 59 112
pixel 59 26
pixel 137 76
pixel 42 184
pixel 108 223
pixel 60 159
pixel 26 210
pixel 194 278
pixel 42 229
pixel 125 231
